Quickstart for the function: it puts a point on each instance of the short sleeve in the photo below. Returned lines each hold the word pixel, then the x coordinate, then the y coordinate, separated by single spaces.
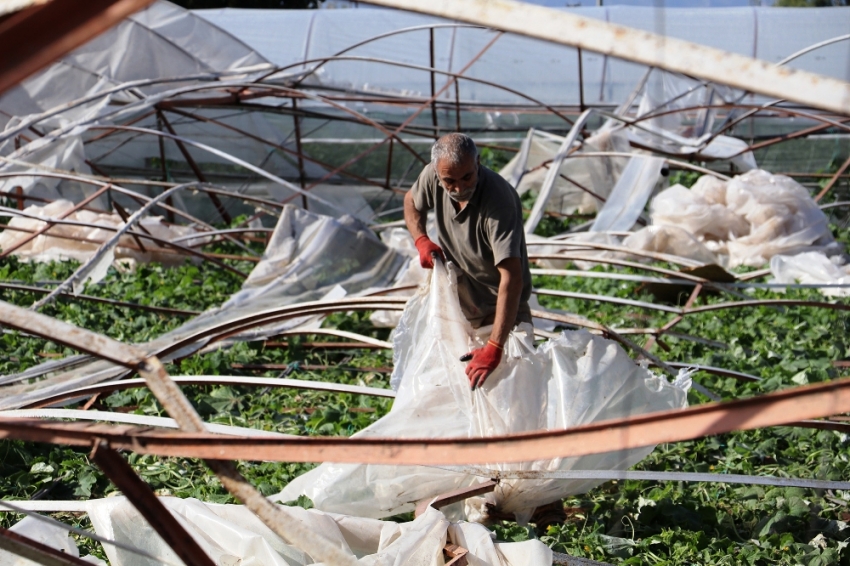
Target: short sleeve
pixel 503 225
pixel 423 189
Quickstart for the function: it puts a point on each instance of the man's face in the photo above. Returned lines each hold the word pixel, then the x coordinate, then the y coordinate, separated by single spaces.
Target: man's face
pixel 459 179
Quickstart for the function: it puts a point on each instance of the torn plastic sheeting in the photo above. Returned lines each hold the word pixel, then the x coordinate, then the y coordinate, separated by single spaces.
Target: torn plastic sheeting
pixel 64 241
pixel 598 174
pixel 162 40
pixel 572 380
pixel 629 196
pixel 66 154
pixel 670 240
pixel 813 268
pixel 679 119
pixel 48 534
pixel 748 220
pixel 735 150
pixel 308 257
pixel 553 171
pixel 231 535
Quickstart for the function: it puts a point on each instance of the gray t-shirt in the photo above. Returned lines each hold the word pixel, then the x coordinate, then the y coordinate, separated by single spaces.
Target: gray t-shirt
pixel 477 238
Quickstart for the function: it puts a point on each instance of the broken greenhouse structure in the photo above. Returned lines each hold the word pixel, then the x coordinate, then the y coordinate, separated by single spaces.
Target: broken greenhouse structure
pixel 199 137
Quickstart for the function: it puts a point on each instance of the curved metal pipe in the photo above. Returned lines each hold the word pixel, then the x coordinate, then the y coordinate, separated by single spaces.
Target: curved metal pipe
pixel 382 36
pixel 242 381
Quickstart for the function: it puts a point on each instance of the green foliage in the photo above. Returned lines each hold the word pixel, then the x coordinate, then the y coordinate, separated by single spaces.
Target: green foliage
pixel 551 224
pixel 494 159
pixel 627 522
pixel 684 178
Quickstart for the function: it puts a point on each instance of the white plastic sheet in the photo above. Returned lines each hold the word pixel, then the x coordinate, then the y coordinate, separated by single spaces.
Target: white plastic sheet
pixel 80 242
pixel 628 198
pixel 748 220
pixel 670 240
pixel 572 380
pixel 231 535
pixel 48 534
pixel 813 268
pixel 596 174
pixel 163 40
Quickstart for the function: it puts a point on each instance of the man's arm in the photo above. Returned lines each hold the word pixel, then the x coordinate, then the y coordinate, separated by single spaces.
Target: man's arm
pixel 507 301
pixel 486 359
pixel 414 218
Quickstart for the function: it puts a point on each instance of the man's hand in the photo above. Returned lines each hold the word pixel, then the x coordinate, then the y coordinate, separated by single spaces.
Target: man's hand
pixel 426 249
pixel 483 362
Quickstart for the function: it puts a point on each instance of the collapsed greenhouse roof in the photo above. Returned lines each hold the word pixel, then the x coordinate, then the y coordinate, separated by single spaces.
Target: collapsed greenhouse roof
pixel 202 117
pixel 545 72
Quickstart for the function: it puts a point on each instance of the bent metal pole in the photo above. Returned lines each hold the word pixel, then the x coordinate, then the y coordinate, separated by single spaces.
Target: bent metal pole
pixel 640 46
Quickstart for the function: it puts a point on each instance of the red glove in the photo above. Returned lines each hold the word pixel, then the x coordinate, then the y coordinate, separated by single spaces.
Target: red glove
pixel 484 361
pixel 426 248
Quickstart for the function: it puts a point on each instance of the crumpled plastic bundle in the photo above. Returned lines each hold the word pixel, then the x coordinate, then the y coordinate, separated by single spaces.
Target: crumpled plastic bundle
pixel 813 268
pixel 748 220
pixel 50 535
pixel 231 535
pixel 670 240
pixel 572 380
pixel 63 241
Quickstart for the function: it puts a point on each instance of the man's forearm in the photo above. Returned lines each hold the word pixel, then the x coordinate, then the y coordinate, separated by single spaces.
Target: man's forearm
pixel 413 218
pixel 507 301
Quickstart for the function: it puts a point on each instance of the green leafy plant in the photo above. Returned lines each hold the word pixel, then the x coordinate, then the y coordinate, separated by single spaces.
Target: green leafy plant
pixel 625 522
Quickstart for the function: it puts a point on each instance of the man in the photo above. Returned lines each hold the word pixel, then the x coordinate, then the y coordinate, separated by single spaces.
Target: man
pixel 479 224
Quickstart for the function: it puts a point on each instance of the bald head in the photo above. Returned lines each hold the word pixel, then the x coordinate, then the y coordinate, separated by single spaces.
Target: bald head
pixel 454 149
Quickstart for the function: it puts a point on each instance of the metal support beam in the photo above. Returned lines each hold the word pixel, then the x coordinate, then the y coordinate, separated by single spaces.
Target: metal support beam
pixel 163 163
pixel 36 36
pixel 433 87
pixel 30 549
pixel 454 496
pixel 296 120
pixel 639 46
pixel 834 179
pixel 774 409
pixel 195 169
pixel 149 506
pixel 580 82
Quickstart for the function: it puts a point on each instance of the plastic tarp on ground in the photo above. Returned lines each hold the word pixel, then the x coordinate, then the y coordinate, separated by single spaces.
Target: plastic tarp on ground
pixel 748 220
pixel 81 239
pixel 231 535
pixel 813 268
pixel 574 379
pixel 301 263
pixel 742 222
pixel 51 535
